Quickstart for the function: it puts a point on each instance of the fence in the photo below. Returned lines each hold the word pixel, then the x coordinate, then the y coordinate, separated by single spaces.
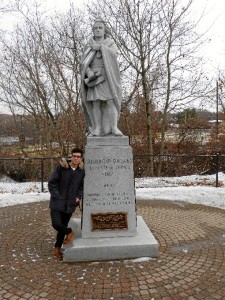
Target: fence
pixel 34 172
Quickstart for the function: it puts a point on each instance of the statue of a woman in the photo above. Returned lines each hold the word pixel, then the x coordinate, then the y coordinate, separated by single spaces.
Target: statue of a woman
pixel 101 86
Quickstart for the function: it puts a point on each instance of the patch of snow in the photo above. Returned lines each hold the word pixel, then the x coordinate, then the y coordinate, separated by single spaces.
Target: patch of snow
pixel 140 259
pixel 186 189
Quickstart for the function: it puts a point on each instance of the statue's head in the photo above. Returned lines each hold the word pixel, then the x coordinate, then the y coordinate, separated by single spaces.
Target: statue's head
pixel 101 24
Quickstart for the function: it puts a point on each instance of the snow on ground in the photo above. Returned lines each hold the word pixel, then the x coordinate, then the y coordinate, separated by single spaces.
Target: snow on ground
pixel 198 189
pixel 192 180
pixel 8 199
pixel 205 195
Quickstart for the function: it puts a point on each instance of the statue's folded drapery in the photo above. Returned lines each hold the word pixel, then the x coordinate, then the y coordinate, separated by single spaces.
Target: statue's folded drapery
pixel 108 51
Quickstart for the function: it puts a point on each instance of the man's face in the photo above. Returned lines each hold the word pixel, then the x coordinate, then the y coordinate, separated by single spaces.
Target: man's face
pixel 76 158
pixel 99 29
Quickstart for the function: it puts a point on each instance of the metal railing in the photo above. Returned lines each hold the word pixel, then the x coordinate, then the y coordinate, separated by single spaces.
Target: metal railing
pixel 34 172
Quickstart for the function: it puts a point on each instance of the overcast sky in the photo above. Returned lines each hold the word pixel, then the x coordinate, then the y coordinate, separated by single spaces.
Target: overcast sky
pixel 214 11
pixel 214 15
pixel 214 21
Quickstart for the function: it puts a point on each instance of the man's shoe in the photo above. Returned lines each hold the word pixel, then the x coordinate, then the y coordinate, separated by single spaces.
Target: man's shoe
pixel 57 253
pixel 69 238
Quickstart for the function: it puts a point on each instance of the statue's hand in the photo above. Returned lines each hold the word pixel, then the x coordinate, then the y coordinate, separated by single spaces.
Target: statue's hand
pixel 98 73
pixel 90 75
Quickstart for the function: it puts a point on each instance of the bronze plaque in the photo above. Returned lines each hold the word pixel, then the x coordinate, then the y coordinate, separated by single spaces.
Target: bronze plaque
pixel 109 221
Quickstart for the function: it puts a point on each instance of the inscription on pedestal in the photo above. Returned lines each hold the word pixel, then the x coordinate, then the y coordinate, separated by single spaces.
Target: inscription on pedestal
pixel 108 198
pixel 109 193
pixel 109 221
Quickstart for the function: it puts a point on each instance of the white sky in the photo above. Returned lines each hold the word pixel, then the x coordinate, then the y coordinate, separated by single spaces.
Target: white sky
pixel 214 18
pixel 214 15
pixel 188 189
pixel 213 21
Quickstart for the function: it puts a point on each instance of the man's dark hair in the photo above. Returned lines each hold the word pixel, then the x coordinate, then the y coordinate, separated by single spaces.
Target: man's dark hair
pixel 77 150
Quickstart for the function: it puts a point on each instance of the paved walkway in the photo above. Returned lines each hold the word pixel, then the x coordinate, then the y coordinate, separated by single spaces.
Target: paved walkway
pixel 191 264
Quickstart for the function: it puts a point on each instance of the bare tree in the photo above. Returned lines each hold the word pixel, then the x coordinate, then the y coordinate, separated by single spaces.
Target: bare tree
pixel 158 45
pixel 159 63
pixel 181 67
pixel 40 75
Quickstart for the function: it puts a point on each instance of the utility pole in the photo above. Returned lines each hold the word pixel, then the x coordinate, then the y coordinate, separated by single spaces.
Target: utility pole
pixel 217 107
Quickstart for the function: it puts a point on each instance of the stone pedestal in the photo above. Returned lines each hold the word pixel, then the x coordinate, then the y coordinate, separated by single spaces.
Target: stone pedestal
pixel 110 229
pixel 142 245
pixel 109 194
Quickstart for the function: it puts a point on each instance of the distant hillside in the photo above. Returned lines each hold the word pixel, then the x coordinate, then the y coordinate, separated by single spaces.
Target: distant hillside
pixel 6 124
pixel 15 125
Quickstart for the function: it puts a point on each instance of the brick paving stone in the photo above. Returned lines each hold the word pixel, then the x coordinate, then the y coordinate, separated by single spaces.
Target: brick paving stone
pixel 145 292
pixel 190 264
pixel 143 287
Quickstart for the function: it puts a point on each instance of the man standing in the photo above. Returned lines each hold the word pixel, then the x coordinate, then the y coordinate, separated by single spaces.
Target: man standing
pixel 66 189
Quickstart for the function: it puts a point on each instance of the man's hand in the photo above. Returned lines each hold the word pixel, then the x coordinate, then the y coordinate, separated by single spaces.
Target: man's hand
pixel 78 201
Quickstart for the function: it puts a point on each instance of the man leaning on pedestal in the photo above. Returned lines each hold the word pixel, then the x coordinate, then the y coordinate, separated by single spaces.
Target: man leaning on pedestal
pixel 66 189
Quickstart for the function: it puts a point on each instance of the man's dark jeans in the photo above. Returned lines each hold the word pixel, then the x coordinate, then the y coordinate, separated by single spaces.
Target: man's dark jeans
pixel 60 222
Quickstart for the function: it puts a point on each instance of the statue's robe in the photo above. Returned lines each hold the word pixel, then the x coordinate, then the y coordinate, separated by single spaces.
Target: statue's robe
pixel 108 51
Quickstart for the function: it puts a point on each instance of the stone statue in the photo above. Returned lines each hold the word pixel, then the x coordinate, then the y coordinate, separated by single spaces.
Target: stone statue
pixel 101 86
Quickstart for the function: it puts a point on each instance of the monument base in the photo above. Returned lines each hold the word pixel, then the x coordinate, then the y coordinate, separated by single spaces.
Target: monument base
pixel 96 249
pixel 109 204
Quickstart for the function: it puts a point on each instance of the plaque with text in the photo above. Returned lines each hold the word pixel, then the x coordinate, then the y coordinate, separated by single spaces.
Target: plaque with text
pixel 109 221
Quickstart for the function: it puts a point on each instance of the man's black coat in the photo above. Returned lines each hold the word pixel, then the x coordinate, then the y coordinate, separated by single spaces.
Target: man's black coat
pixel 65 185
